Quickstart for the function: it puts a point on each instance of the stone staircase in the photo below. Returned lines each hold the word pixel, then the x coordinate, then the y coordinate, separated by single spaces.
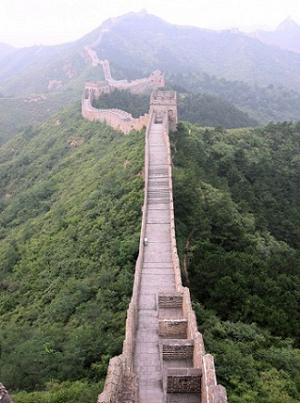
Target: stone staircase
pixel 163 357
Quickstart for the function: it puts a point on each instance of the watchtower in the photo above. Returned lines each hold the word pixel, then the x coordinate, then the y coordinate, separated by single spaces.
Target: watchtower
pixel 165 102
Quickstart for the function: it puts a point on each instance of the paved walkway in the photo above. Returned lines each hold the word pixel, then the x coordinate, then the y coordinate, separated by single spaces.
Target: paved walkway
pixel 157 274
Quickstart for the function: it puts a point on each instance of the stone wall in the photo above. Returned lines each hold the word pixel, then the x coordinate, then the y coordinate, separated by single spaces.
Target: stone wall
pixel 112 392
pixel 156 79
pixel 183 380
pixel 4 395
pixel 121 383
pixel 165 102
pixel 116 118
pixel 211 392
pixel 177 349
pixel 172 328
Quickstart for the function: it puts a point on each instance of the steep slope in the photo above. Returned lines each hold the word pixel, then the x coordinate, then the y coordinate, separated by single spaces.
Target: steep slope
pixel 285 36
pixel 71 196
pixel 137 43
pixel 147 42
pixel 262 103
pixel 237 216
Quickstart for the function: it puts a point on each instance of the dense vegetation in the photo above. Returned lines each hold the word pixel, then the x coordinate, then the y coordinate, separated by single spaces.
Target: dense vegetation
pixel 197 108
pixel 237 210
pixel 71 193
pixel 262 103
pixel 71 196
pixel 209 110
pixel 135 104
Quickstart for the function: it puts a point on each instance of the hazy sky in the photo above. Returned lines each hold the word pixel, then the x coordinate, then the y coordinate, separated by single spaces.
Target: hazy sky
pixel 28 22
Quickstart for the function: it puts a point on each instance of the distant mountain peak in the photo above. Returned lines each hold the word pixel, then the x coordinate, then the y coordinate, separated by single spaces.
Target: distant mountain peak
pixel 288 25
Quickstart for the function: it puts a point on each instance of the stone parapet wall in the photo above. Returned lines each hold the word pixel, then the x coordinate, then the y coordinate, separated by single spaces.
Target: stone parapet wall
pixel 210 390
pixel 116 118
pixel 121 383
pixel 154 81
pixel 114 379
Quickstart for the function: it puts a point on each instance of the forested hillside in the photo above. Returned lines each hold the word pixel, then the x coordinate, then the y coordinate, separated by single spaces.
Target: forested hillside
pixel 71 193
pixel 70 208
pixel 237 213
pixel 71 196
pixel 262 103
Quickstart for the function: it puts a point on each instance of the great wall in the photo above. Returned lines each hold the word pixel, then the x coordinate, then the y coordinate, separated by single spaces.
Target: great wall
pixel 119 120
pixel 163 357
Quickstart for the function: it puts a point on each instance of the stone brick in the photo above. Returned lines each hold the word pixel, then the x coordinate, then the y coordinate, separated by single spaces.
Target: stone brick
pixel 170 300
pixel 182 380
pixel 177 348
pixel 172 328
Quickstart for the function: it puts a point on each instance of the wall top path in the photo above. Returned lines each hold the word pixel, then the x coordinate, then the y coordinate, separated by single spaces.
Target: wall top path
pixel 160 306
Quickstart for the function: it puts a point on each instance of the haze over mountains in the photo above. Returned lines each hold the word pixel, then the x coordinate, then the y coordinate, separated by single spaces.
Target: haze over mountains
pixel 285 36
pixel 71 193
pixel 227 54
pixel 260 80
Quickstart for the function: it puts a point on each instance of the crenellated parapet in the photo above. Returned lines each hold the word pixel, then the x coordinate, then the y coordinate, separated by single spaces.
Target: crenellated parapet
pixel 116 118
pixel 119 120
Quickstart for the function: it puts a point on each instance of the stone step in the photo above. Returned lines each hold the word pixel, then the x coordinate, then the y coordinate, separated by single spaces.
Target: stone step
pixel 176 349
pixel 182 380
pixel 158 201
pixel 170 313
pixel 158 191
pixel 170 300
pixel 172 328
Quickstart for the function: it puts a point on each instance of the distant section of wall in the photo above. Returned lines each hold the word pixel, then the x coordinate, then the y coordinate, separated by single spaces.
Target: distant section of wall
pixel 156 79
pixel 121 384
pixel 116 118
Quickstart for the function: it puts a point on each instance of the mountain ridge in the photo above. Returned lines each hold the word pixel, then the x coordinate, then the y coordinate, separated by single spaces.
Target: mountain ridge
pixel 285 36
pixel 138 43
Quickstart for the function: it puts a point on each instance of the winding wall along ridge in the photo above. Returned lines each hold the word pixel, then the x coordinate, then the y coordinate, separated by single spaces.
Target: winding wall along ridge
pixel 163 357
pixel 178 369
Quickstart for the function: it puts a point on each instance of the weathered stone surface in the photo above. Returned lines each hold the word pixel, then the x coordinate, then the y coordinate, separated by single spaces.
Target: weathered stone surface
pixel 167 300
pixel 173 328
pixel 177 349
pixel 163 352
pixel 116 118
pixel 182 380
pixel 4 395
